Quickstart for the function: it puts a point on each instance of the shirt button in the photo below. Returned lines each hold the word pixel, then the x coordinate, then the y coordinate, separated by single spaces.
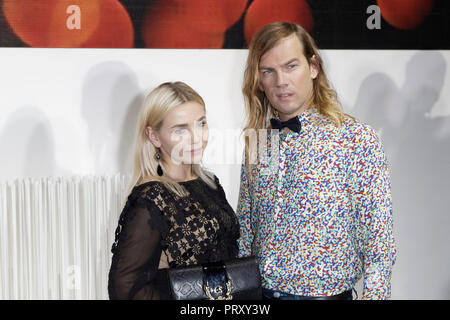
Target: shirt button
pixel 276 295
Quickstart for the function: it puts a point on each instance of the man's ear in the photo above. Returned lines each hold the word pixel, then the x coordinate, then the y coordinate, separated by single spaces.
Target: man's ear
pixel 314 67
pixel 153 137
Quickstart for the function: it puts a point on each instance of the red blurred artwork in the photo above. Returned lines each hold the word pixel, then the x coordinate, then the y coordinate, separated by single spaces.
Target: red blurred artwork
pixel 216 24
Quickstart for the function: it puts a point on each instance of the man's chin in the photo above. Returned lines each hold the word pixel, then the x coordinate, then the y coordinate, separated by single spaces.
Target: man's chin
pixel 287 111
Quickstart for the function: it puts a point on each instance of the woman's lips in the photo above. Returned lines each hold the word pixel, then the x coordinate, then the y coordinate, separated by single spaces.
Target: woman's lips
pixel 196 151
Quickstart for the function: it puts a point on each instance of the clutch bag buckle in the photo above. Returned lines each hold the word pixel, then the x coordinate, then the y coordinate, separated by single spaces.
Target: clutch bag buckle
pixel 218 289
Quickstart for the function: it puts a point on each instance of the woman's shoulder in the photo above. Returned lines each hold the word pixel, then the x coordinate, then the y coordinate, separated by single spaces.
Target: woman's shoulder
pixel 149 195
pixel 219 187
pixel 147 191
pixel 147 184
pixel 216 179
pixel 156 190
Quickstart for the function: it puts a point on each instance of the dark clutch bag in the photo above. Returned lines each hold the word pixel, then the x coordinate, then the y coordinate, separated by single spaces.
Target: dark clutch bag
pixel 237 279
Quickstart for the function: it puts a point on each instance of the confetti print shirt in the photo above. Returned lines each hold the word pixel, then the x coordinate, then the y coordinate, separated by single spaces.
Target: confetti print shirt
pixel 317 210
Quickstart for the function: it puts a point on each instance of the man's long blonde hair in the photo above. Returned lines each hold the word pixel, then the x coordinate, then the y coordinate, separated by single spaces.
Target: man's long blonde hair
pixel 258 109
pixel 156 106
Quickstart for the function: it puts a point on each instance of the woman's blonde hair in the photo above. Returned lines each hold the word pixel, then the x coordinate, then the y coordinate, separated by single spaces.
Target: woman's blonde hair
pixel 156 106
pixel 259 110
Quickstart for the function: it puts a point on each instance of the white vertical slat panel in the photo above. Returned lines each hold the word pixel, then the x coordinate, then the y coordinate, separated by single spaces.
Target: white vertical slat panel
pixel 70 268
pixel 55 231
pixel 45 239
pixel 77 239
pixel 63 236
pixel 13 235
pixel 27 255
pixel 4 274
pixel 89 240
pixel 20 238
pixel 51 245
pixel 33 241
pixel 40 274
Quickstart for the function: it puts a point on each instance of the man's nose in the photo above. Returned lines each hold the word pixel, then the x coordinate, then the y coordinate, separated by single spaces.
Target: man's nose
pixel 281 79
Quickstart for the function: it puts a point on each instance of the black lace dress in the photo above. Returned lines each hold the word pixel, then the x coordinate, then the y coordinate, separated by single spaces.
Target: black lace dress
pixel 155 224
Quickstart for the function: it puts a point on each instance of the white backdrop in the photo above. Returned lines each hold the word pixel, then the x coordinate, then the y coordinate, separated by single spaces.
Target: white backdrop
pixel 71 113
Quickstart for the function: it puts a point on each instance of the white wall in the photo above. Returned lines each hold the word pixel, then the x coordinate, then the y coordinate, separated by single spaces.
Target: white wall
pixel 71 112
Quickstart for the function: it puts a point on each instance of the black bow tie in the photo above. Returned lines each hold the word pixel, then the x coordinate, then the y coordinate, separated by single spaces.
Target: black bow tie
pixel 293 124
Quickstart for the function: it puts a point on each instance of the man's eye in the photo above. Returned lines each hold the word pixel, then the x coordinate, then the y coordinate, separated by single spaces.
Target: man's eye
pixel 202 123
pixel 266 72
pixel 292 66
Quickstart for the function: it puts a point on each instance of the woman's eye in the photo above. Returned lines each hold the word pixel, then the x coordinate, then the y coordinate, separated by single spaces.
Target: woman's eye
pixel 180 131
pixel 202 123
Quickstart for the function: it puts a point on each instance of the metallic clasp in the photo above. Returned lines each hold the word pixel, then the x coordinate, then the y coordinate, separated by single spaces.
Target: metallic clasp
pixel 218 289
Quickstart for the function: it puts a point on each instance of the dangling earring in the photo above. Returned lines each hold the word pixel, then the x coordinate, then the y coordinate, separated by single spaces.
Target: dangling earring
pixel 159 169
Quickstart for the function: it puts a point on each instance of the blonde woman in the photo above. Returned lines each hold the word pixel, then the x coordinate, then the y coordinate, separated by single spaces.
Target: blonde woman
pixel 176 213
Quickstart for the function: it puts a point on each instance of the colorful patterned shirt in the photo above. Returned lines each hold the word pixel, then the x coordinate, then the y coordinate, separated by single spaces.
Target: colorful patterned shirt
pixel 317 210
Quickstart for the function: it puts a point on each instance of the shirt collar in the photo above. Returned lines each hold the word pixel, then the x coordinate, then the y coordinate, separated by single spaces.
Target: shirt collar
pixel 307 117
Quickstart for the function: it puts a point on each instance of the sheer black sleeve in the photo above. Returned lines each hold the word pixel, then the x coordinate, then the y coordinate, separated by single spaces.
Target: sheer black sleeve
pixel 136 252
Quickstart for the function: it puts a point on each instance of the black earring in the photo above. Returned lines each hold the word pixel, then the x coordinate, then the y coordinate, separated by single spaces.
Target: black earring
pixel 159 169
